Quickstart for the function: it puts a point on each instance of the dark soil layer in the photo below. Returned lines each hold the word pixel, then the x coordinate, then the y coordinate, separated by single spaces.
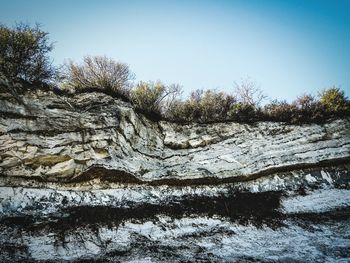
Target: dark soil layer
pixel 258 208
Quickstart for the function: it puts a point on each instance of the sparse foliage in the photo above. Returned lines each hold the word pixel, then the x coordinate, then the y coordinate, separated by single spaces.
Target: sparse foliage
pixel 202 106
pixel 154 98
pixel 173 93
pixel 305 102
pixel 243 112
pixel 280 111
pixel 24 63
pixel 248 93
pixel 215 105
pixel 24 55
pixel 308 109
pixel 99 73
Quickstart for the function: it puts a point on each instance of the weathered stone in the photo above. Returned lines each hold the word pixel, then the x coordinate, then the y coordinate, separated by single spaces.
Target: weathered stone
pixel 85 177
pixel 161 150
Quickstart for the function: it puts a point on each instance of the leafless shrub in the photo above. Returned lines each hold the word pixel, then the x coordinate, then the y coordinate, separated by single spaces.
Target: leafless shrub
pixel 100 73
pixel 248 93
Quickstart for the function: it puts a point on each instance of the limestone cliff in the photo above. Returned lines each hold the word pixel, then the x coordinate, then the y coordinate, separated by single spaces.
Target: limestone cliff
pixel 85 177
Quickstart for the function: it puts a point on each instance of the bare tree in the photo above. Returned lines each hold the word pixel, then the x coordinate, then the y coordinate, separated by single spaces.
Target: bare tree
pixel 247 92
pixel 172 93
pixel 305 102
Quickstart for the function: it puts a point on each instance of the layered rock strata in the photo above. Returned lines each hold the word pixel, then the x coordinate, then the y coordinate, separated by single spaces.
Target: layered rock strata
pixel 86 178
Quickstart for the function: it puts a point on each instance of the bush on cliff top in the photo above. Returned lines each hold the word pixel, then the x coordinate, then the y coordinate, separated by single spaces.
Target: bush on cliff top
pixel 99 73
pixel 335 101
pixel 212 106
pixel 24 63
pixel 24 55
pixel 153 98
pixel 201 106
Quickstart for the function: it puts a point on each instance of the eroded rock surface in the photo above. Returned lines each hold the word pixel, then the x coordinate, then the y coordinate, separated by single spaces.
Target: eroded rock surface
pixel 86 178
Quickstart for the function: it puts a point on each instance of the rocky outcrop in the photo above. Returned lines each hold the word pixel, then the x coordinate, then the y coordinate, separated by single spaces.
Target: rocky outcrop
pixel 85 177
pixel 61 139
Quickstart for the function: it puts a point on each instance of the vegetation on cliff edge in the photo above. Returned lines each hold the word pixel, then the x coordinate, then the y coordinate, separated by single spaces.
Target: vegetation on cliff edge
pixel 25 65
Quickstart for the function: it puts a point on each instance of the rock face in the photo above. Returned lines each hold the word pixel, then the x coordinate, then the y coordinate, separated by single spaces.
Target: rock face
pixel 86 178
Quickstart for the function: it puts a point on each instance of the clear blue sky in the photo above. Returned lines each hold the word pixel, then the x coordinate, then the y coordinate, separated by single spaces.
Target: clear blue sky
pixel 287 47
